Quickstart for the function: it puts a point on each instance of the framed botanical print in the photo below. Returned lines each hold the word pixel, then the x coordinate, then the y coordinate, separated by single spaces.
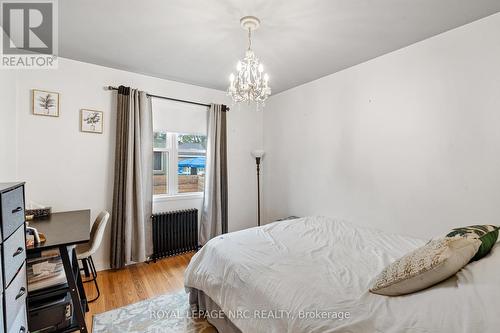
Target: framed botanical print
pixel 91 121
pixel 45 103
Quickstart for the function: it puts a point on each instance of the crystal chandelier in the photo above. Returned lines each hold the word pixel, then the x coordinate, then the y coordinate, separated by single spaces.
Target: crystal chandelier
pixel 250 83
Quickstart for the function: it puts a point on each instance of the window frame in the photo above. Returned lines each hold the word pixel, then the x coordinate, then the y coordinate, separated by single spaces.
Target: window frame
pixel 172 150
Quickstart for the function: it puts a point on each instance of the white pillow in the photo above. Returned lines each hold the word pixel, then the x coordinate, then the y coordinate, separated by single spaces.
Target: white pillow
pixel 426 266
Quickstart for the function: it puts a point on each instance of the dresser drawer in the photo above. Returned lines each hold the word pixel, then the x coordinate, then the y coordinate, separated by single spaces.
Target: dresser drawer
pixel 14 254
pixel 12 210
pixel 15 298
pixel 20 324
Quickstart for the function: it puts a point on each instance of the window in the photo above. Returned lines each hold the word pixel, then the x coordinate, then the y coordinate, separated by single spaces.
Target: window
pixel 178 163
pixel 179 147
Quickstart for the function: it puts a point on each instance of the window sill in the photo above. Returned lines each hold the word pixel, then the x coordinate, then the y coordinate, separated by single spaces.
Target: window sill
pixel 175 197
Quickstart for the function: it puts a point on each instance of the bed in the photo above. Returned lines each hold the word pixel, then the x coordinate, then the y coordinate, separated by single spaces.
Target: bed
pixel 312 275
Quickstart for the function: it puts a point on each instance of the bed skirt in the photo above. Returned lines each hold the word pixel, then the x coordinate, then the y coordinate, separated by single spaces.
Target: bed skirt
pixel 204 304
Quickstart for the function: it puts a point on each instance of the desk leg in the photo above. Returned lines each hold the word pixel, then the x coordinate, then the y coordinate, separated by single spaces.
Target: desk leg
pixel 73 289
pixel 79 282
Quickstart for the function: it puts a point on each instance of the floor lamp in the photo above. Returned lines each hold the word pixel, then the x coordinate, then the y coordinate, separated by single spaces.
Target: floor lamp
pixel 258 154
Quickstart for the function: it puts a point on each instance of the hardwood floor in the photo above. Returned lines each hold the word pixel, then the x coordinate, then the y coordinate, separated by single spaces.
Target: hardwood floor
pixel 136 283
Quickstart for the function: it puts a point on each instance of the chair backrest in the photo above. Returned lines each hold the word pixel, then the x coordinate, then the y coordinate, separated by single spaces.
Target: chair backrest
pixel 97 231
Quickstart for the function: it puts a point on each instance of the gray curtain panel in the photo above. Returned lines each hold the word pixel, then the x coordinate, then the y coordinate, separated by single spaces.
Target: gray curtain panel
pixel 133 179
pixel 214 212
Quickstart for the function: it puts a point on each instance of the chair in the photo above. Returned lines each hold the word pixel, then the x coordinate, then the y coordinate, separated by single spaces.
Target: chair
pixel 84 252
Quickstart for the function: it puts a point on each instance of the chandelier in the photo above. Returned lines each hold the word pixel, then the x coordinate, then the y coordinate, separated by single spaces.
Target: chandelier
pixel 250 84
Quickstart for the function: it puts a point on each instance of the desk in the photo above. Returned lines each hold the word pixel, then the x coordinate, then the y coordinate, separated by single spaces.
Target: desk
pixel 62 230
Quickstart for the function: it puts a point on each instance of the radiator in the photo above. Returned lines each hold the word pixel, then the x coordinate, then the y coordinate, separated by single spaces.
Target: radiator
pixel 174 233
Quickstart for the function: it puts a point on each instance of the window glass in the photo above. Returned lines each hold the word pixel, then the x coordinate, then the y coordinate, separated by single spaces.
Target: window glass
pixel 160 172
pixel 159 140
pixel 191 160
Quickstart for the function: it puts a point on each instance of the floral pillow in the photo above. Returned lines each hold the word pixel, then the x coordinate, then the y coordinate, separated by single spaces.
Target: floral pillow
pixel 424 267
pixel 487 234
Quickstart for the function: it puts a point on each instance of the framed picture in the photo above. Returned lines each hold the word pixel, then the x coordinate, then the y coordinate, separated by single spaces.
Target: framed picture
pixel 91 121
pixel 45 103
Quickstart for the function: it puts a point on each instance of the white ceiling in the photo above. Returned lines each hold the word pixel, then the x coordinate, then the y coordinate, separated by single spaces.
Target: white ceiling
pixel 199 41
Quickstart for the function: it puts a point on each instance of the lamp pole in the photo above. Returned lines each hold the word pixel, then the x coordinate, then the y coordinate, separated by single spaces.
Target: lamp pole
pixel 257 161
pixel 258 154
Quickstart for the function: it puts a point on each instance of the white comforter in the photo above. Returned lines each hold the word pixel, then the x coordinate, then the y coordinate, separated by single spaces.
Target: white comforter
pixel 273 274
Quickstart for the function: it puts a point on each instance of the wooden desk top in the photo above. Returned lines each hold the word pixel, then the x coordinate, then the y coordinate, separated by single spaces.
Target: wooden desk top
pixel 63 228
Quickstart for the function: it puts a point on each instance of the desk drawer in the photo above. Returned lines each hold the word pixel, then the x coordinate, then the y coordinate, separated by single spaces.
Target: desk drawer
pixel 14 254
pixel 15 298
pixel 12 210
pixel 20 324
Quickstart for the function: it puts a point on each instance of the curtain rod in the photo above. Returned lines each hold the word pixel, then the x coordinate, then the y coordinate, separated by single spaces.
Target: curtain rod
pixel 170 99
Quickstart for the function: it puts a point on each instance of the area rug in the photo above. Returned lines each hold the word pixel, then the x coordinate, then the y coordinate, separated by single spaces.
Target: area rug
pixel 164 314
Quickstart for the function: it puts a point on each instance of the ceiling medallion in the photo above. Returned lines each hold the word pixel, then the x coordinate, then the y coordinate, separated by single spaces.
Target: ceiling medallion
pixel 250 83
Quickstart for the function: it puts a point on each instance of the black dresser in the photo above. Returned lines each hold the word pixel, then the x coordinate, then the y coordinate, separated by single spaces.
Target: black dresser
pixel 13 282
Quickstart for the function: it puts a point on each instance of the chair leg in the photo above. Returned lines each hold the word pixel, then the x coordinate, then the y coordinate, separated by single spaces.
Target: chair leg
pixel 94 273
pixel 86 267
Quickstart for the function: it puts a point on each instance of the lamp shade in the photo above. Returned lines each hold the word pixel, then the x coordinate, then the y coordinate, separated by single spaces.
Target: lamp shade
pixel 258 153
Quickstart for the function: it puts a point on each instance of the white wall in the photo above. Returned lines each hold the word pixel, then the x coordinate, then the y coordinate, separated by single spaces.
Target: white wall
pixel 70 170
pixel 8 126
pixel 408 142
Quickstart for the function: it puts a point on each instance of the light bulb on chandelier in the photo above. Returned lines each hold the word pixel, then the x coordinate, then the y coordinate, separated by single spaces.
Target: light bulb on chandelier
pixel 250 83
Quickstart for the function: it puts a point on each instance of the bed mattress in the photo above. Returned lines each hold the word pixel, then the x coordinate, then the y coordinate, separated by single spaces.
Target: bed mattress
pixel 313 274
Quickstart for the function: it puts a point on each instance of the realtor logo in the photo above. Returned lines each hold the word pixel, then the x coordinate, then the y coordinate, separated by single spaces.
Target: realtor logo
pixel 29 34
